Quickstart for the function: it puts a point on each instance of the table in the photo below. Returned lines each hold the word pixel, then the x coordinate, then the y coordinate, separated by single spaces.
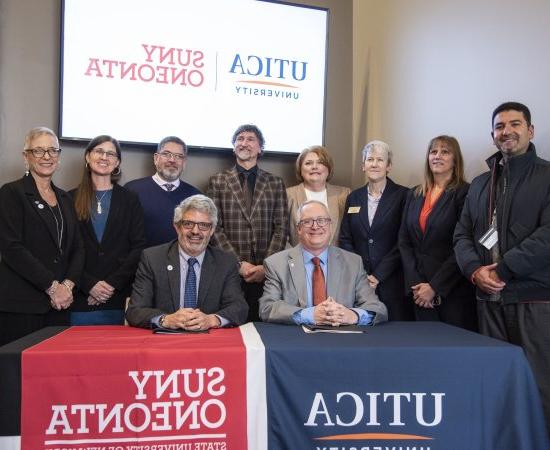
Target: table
pixel 423 385
pixel 399 385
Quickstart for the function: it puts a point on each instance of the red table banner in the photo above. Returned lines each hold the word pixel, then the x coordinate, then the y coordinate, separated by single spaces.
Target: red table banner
pixel 121 388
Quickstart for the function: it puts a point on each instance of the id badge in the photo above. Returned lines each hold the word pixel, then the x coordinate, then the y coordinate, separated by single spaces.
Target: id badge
pixel 490 238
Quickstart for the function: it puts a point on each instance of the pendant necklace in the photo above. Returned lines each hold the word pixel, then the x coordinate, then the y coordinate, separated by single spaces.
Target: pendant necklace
pixel 98 200
pixel 58 225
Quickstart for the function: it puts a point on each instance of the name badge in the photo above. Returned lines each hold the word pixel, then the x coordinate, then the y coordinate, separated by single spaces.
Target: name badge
pixel 354 209
pixel 490 238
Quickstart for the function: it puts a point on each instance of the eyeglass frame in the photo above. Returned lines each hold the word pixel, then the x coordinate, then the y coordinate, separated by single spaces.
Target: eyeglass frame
pixel 203 226
pixel 304 222
pixel 48 150
pixel 165 154
pixel 101 152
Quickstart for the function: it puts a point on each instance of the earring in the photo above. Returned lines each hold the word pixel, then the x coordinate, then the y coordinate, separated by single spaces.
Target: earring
pixel 87 164
pixel 116 171
pixel 27 171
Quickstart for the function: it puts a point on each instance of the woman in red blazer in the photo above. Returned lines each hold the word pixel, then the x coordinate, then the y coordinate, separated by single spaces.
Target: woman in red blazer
pixel 433 280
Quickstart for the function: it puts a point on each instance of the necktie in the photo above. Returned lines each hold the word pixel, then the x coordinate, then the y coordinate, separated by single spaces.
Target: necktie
pixel 246 191
pixel 169 186
pixel 190 294
pixel 319 287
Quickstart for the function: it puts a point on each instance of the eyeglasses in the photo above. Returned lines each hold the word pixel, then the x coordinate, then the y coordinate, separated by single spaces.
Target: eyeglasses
pixel 189 225
pixel 320 221
pixel 39 152
pixel 170 155
pixel 105 153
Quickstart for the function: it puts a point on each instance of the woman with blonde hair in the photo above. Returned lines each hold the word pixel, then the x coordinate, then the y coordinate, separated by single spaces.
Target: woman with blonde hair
pixel 314 169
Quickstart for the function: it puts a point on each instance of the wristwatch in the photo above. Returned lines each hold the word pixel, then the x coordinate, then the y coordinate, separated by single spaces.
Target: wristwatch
pixel 161 320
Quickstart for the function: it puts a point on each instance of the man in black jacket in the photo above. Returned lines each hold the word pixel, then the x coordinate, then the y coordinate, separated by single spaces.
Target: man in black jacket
pixel 502 242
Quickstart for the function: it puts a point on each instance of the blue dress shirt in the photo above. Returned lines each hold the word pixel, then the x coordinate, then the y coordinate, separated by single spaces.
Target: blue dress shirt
pixel 305 316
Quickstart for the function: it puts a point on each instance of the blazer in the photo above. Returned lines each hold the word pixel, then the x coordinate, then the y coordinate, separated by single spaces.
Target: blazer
pixel 116 257
pixel 250 237
pixel 429 257
pixel 336 198
pixel 285 288
pixel 156 288
pixel 376 243
pixel 31 259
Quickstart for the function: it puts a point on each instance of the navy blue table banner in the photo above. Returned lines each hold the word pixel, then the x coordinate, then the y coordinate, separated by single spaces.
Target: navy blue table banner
pixel 399 386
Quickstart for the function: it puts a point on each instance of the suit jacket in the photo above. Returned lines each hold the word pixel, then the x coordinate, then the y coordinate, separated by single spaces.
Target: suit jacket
pixel 336 198
pixel 429 257
pixel 377 243
pixel 250 237
pixel 156 287
pixel 31 260
pixel 285 288
pixel 116 257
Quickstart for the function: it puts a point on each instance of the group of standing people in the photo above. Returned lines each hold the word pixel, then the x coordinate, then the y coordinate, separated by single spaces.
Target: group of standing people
pixel 81 249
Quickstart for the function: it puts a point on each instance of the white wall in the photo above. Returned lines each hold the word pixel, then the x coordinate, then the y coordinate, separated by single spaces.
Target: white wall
pixel 429 67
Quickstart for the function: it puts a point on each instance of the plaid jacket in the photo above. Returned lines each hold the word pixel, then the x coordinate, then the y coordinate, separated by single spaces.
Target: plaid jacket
pixel 251 238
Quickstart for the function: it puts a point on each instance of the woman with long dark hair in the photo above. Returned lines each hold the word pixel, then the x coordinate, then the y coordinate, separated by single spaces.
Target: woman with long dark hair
pixel 111 223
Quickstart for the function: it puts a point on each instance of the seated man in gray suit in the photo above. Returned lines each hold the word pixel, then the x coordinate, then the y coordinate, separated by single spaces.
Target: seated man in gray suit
pixel 315 283
pixel 184 283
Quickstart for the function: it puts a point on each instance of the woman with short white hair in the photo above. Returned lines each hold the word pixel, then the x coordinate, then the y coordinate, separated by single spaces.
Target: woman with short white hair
pixel 370 228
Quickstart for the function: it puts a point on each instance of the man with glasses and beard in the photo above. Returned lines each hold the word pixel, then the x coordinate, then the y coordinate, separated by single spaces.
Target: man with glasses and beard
pixel 185 284
pixel 162 192
pixel 315 283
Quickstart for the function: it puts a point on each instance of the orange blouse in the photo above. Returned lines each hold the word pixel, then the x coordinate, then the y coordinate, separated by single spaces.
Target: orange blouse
pixel 427 207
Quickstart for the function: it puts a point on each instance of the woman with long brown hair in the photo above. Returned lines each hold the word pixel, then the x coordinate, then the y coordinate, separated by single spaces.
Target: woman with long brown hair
pixel 111 223
pixel 433 280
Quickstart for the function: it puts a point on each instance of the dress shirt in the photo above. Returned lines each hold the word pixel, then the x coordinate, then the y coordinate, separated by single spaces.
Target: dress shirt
pixel 162 183
pixel 252 175
pixel 373 203
pixel 305 316
pixel 184 267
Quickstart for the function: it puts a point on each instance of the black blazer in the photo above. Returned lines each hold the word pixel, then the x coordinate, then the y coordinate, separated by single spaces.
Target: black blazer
pixel 429 257
pixel 376 244
pixel 156 288
pixel 116 257
pixel 31 260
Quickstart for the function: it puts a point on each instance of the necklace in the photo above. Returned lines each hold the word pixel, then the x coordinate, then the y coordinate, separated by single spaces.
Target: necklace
pixel 98 200
pixel 58 225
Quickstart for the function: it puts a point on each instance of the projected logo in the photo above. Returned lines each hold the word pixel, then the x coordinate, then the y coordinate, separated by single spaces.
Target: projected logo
pixel 333 419
pixel 262 76
pixel 162 65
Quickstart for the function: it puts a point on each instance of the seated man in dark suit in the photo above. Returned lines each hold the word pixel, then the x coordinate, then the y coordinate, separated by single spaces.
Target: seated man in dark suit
pixel 316 283
pixel 184 283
